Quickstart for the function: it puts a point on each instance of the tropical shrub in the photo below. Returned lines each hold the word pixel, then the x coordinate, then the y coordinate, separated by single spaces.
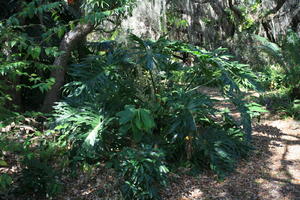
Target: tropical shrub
pixel 139 122
pixel 5 182
pixel 143 172
pixel 220 150
pixel 36 174
pixel 284 78
pixel 39 178
pixel 136 104
pixel 143 94
pixel 133 102
pixel 272 77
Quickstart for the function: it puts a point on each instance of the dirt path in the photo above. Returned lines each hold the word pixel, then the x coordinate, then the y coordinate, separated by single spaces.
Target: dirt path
pixel 271 173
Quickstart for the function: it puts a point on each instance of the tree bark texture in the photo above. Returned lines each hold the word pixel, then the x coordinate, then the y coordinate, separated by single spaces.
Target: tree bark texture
pixel 67 45
pixel 227 27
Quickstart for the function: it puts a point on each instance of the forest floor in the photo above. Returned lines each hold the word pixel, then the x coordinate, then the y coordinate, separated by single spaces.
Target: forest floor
pixel 272 171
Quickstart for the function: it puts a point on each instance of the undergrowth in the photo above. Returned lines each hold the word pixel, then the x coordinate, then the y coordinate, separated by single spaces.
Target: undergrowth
pixel 139 109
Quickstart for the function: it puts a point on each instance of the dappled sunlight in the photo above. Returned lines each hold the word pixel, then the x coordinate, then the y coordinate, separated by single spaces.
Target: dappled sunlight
pixel 149 100
pixel 271 172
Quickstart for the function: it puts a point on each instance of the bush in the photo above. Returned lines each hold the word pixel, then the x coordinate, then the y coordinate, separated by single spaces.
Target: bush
pixel 143 172
pixel 143 94
pixel 286 55
pixel 272 77
pixel 5 182
pixel 281 102
pixel 39 178
pixel 219 150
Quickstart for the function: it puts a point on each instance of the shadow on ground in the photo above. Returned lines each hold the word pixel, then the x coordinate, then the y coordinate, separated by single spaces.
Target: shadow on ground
pixel 267 174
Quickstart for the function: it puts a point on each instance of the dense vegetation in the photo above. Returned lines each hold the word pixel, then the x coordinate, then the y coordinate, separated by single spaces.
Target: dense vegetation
pixel 135 105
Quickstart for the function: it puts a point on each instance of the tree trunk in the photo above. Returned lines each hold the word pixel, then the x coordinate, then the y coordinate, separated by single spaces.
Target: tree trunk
pixel 227 28
pixel 67 45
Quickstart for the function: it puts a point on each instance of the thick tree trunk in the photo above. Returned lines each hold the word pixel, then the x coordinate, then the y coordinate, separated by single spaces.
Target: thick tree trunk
pixel 279 5
pixel 227 27
pixel 296 21
pixel 67 45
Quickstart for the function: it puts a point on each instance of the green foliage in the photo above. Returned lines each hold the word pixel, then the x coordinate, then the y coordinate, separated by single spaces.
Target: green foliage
pixel 255 109
pixel 22 58
pixel 291 45
pixel 84 128
pixel 5 182
pixel 232 77
pixel 280 101
pixel 38 177
pixel 272 78
pixel 132 103
pixel 27 49
pixel 286 56
pixel 137 105
pixel 138 121
pixel 33 154
pixel 144 95
pixel 139 100
pixel 285 77
pixel 294 109
pixel 219 149
pixel 98 9
pixel 143 172
pixel 175 20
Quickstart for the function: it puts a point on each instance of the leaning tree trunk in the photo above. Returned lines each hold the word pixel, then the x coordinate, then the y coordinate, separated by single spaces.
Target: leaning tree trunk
pixel 67 45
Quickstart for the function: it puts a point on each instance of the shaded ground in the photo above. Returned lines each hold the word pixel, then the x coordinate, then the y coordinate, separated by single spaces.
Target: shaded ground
pixel 272 172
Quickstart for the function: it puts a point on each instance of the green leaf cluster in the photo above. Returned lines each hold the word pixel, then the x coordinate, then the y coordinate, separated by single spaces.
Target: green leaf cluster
pixel 143 93
pixel 143 171
pixel 138 121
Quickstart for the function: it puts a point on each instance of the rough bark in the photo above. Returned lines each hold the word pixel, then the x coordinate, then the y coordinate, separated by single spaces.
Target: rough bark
pixel 67 45
pixel 279 5
pixel 236 11
pixel 295 21
pixel 227 26
pixel 268 31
